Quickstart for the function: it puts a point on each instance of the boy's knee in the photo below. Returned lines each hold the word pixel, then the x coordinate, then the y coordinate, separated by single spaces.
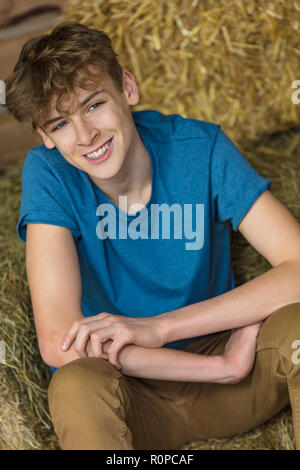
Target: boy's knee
pixel 80 378
pixel 281 329
pixel 87 400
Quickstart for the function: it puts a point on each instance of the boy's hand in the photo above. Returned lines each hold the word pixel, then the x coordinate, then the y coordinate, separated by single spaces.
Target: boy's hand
pixel 105 346
pixel 120 329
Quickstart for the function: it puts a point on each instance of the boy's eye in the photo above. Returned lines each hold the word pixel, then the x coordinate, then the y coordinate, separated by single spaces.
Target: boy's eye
pixel 58 127
pixel 63 122
pixel 96 104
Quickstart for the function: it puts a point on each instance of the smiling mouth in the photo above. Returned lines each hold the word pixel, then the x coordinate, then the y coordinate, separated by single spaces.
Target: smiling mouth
pixel 99 151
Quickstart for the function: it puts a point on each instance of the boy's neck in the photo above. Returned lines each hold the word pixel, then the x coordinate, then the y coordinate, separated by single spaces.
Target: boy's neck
pixel 134 179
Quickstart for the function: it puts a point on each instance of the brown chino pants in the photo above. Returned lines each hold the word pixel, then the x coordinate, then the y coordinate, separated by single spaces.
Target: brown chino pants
pixel 95 406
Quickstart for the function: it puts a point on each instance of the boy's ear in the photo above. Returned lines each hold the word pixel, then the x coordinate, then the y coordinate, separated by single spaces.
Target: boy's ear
pixel 47 141
pixel 131 88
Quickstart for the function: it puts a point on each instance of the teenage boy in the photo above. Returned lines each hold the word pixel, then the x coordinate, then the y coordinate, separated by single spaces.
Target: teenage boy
pixel 153 344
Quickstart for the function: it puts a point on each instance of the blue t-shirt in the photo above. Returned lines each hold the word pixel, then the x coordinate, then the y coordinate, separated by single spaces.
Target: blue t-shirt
pixel 174 252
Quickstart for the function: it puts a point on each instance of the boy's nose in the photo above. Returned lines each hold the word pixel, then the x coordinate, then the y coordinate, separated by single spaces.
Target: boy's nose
pixel 85 134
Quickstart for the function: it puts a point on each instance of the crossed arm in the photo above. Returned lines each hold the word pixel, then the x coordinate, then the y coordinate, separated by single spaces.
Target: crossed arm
pixel 136 344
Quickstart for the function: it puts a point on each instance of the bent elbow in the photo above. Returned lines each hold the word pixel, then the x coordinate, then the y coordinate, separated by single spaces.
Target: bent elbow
pixel 47 352
pixel 54 357
pixel 240 374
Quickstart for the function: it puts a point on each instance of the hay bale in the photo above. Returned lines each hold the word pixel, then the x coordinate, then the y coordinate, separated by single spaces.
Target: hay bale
pixel 233 63
pixel 24 415
pixel 276 157
pixel 14 431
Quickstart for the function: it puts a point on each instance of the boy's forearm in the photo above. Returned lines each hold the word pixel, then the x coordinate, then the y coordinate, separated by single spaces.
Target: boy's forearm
pixel 172 364
pixel 247 304
pixel 165 364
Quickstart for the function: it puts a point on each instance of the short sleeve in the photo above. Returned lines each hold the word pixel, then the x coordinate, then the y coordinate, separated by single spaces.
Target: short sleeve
pixel 235 183
pixel 45 198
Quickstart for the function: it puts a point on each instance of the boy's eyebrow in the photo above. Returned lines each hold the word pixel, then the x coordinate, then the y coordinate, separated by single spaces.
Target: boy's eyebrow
pixel 51 121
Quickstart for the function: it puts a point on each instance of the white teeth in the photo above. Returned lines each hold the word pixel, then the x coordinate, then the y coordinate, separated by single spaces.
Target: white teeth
pixel 101 151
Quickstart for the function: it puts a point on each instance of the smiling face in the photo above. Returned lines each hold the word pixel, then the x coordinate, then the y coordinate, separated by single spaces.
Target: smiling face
pixel 101 116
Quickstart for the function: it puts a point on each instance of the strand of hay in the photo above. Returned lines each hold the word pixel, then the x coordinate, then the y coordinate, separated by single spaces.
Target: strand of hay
pixel 232 62
pixel 24 415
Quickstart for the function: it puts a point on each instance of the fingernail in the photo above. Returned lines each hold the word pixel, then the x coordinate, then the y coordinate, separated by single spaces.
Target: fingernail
pixel 64 346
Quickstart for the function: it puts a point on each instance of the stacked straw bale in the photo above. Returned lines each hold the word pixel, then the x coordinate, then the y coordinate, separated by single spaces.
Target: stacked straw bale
pixel 24 416
pixel 228 62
